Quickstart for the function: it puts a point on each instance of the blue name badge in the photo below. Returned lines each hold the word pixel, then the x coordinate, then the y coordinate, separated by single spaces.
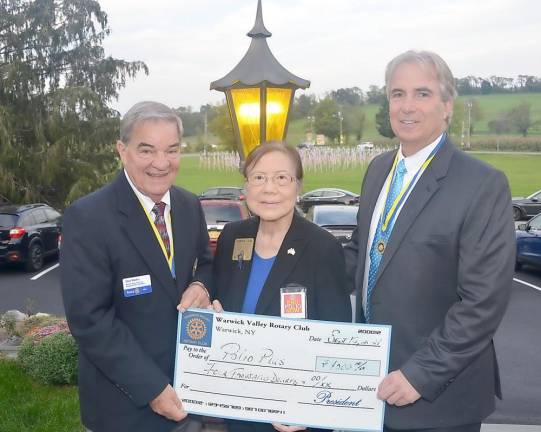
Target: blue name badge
pixel 137 285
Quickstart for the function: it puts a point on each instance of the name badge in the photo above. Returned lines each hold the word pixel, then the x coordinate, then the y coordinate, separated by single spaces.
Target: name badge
pixel 293 301
pixel 136 285
pixel 242 250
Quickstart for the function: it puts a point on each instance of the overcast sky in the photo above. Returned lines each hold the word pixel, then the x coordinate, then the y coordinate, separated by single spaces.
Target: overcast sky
pixel 334 44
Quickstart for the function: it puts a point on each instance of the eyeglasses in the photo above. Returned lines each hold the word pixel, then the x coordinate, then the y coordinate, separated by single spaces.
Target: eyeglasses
pixel 280 179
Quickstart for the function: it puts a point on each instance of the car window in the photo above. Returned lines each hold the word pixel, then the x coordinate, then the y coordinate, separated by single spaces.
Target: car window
pixel 329 194
pixel 337 218
pixel 8 220
pixel 221 214
pixel 210 193
pixel 27 219
pixel 40 216
pixel 52 215
pixel 313 194
pixel 537 196
pixel 535 224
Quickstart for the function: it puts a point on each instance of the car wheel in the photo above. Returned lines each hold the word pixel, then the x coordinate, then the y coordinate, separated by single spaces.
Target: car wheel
pixel 517 214
pixel 35 258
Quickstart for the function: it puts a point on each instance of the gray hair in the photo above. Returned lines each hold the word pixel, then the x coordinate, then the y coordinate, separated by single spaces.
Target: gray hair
pixel 423 59
pixel 147 111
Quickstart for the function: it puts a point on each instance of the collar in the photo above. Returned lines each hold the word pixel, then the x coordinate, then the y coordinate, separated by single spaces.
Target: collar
pixel 415 161
pixel 147 202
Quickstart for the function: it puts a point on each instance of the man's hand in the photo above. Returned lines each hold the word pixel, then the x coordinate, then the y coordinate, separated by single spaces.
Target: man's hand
pixel 168 404
pixel 284 428
pixel 194 296
pixel 216 306
pixel 395 389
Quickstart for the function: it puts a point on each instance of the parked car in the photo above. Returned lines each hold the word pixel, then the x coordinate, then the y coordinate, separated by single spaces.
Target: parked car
pixel 327 196
pixel 28 234
pixel 227 192
pixel 218 212
pixel 524 208
pixel 339 220
pixel 529 243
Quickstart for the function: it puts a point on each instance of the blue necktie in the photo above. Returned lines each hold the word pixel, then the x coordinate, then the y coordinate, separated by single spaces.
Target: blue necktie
pixel 383 236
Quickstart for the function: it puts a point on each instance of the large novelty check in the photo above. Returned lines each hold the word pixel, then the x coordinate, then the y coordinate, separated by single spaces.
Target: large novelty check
pixel 276 370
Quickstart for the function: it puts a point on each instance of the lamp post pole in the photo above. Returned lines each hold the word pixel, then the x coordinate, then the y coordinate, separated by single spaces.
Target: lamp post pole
pixel 341 119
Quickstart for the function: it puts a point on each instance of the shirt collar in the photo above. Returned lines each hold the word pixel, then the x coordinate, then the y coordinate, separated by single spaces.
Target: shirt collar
pixel 415 161
pixel 147 202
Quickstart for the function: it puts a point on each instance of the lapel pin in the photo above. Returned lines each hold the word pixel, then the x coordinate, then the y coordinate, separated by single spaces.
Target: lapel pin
pixel 291 251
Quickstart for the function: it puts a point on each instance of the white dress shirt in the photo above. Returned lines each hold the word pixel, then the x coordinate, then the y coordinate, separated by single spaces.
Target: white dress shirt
pixel 413 164
pixel 148 204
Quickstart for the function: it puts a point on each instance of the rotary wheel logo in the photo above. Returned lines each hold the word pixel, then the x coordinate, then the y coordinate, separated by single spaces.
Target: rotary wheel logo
pixel 196 328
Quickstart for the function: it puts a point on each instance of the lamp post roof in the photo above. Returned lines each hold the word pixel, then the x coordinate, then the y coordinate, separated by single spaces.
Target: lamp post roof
pixel 258 64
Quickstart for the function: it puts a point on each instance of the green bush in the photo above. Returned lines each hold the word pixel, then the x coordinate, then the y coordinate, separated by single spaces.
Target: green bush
pixel 51 359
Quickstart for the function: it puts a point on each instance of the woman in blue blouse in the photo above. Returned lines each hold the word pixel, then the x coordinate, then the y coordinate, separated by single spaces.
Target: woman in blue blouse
pixel 257 258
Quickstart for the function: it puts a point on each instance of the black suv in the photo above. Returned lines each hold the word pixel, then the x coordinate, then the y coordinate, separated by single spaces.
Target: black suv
pixel 28 234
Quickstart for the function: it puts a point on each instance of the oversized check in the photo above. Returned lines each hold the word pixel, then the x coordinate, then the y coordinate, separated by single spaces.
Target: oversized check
pixel 269 369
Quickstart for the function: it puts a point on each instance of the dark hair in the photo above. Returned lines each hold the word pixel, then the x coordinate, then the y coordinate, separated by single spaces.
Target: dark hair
pixel 273 146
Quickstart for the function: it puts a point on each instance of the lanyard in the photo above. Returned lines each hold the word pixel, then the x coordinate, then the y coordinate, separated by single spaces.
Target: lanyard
pixel 159 238
pixel 399 200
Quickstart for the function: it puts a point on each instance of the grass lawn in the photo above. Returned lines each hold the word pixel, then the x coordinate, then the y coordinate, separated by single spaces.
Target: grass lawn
pixel 28 406
pixel 523 172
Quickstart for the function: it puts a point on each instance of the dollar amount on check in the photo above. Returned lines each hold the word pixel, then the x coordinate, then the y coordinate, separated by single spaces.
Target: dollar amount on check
pixel 268 369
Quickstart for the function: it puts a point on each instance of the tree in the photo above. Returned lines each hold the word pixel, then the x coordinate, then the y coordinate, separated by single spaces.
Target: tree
pixel 303 106
pixel 221 126
pixel 375 94
pixel 383 122
pixel 520 118
pixel 354 119
pixel 56 129
pixel 326 118
pixel 352 96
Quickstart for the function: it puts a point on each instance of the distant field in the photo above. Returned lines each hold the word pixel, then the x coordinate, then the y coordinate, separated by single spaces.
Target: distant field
pixel 523 172
pixel 491 107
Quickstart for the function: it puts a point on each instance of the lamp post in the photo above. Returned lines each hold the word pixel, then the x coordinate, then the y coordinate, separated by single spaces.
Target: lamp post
pixel 259 92
pixel 312 119
pixel 341 119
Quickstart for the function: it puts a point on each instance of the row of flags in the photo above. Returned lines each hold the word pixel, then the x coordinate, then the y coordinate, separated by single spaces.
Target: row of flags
pixel 316 159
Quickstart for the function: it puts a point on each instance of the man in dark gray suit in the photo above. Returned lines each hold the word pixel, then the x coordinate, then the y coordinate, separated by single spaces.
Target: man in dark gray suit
pixel 130 251
pixel 433 256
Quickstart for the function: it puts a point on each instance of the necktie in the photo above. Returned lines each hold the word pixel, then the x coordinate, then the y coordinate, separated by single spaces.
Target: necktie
pixel 159 221
pixel 381 238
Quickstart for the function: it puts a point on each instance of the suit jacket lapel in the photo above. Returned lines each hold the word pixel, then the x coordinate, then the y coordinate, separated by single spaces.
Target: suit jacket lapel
pixel 179 227
pixel 426 187
pixel 140 234
pixel 239 278
pixel 286 259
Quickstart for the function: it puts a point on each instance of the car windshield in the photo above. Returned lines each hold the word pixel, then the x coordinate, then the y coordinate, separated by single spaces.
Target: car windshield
pixel 8 220
pixel 333 217
pixel 221 214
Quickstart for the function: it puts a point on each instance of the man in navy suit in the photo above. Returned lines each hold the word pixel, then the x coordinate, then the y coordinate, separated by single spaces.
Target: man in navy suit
pixel 433 256
pixel 130 252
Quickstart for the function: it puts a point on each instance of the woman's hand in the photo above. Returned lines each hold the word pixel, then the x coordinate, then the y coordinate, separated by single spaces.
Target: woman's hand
pixel 216 306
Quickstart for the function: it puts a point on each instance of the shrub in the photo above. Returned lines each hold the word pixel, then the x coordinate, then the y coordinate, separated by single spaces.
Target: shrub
pixel 49 354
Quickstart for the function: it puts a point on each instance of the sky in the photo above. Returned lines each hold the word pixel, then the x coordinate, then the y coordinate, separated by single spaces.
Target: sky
pixel 334 44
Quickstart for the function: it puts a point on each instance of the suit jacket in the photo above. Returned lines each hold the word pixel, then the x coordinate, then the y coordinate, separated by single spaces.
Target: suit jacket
pixel 315 261
pixel 126 344
pixel 443 284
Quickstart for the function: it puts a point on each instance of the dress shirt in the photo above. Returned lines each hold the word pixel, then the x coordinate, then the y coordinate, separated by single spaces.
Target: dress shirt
pixel 413 164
